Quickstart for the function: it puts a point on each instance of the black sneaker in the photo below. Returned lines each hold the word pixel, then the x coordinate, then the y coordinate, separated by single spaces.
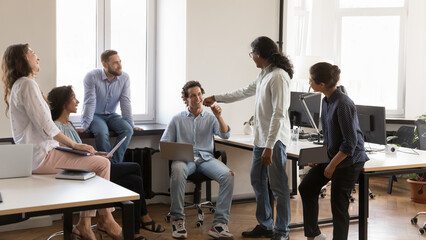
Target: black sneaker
pixel 258 232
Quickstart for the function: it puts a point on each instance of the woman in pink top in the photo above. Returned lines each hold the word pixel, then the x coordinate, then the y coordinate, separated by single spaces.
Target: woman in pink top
pixel 31 123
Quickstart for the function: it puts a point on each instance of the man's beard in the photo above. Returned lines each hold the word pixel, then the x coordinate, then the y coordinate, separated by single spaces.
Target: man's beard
pixel 115 73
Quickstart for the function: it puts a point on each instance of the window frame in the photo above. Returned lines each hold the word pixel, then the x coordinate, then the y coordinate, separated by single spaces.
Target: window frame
pixel 401 12
pixel 103 42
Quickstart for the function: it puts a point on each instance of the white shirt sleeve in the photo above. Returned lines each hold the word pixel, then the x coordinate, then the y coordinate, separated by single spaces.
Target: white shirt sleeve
pixel 37 108
pixel 238 94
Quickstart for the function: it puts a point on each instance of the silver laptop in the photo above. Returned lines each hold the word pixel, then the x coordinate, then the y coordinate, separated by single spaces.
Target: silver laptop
pixel 315 155
pixel 177 151
pixel 16 160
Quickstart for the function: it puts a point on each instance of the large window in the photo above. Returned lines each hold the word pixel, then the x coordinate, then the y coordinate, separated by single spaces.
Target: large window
pixel 85 28
pixel 365 38
pixel 371 52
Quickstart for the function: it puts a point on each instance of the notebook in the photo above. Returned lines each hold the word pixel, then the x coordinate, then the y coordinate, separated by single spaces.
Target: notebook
pixel 16 160
pixel 71 150
pixel 316 155
pixel 75 174
pixel 177 151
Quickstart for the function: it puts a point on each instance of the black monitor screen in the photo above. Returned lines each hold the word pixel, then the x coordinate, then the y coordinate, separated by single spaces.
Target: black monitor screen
pixel 372 121
pixel 298 116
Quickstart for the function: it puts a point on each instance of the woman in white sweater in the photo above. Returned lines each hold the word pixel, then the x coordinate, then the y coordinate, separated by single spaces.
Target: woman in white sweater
pixel 32 124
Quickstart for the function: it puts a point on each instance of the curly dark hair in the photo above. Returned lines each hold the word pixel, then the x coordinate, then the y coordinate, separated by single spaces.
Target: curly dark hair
pixel 58 98
pixel 326 73
pixel 187 86
pixel 14 65
pixel 268 49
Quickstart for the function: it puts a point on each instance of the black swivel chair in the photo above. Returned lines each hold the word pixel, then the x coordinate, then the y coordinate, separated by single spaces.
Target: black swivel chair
pixel 421 131
pixel 405 136
pixel 198 179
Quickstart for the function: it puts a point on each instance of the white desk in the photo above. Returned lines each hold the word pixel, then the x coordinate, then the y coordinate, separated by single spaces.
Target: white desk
pixel 246 142
pixel 380 164
pixel 43 194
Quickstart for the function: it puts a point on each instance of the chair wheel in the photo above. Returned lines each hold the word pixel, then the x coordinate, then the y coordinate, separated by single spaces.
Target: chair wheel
pixel 421 230
pixel 352 199
pixel 212 210
pixel 372 195
pixel 414 220
pixel 323 195
pixel 199 223
pixel 353 190
pixel 167 218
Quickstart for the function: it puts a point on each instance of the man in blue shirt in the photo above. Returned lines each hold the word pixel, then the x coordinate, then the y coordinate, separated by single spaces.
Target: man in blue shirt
pixel 103 90
pixel 196 126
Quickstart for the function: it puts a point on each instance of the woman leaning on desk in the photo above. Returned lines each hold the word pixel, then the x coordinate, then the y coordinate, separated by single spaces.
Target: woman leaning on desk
pixel 345 147
pixel 32 124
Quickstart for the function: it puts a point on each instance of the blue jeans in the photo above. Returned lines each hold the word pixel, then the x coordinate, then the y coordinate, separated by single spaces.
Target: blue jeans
pixel 100 127
pixel 278 180
pixel 213 169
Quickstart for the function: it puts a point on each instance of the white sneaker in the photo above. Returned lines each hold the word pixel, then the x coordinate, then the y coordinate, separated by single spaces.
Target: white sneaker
pixel 220 231
pixel 320 237
pixel 178 229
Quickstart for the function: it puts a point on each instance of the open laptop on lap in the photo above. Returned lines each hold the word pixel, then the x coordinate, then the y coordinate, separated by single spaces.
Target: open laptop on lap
pixel 177 151
pixel 16 160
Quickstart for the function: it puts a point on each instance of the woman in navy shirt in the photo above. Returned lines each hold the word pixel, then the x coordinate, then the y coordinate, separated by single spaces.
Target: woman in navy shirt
pixel 345 147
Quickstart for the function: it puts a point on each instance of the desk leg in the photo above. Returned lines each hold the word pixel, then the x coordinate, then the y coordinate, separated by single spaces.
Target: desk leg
pixel 67 225
pixel 363 206
pixel 127 218
pixel 294 169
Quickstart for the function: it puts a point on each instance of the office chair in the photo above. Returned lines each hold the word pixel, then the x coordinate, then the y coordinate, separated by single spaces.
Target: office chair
pixel 421 131
pixel 198 179
pixel 405 136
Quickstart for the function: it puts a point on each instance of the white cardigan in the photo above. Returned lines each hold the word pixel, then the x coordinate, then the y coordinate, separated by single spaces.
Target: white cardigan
pixel 31 120
pixel 271 119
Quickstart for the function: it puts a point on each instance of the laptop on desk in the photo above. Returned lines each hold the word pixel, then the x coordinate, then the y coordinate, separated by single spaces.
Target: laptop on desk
pixel 316 155
pixel 16 160
pixel 177 151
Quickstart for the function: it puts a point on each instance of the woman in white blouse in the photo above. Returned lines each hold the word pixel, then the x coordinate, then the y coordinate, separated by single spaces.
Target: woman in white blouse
pixel 32 124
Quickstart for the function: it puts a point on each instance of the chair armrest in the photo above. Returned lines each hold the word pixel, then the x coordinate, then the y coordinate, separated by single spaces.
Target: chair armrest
pixel 222 154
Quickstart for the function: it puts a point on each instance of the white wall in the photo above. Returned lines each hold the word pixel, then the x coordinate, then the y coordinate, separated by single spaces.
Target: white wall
pixel 33 22
pixel 219 33
pixel 415 103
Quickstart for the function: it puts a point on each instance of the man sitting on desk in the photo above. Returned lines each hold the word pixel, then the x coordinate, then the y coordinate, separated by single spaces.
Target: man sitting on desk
pixel 103 89
pixel 196 126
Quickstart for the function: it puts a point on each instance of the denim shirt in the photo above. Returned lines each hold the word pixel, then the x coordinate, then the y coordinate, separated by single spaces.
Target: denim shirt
pixel 185 128
pixel 341 129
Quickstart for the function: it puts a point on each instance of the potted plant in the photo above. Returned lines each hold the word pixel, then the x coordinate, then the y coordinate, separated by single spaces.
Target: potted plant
pixel 248 126
pixel 417 180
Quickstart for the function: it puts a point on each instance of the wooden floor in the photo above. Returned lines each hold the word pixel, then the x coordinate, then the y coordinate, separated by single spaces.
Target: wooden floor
pixel 389 218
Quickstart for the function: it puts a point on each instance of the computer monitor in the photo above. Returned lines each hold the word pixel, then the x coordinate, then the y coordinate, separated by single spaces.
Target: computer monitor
pixel 372 121
pixel 298 116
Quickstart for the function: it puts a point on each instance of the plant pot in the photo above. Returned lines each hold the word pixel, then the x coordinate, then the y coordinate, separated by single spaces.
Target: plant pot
pixel 248 130
pixel 416 187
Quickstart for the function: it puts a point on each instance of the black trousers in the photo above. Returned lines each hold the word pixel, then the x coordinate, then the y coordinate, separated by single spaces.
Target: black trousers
pixel 342 183
pixel 128 175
